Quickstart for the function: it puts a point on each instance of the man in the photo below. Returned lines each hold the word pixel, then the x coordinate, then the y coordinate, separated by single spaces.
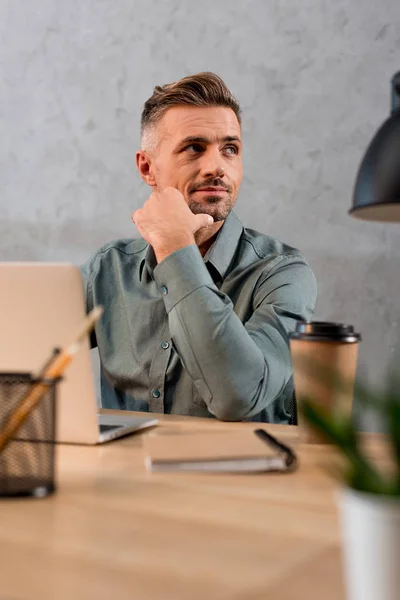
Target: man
pixel 197 312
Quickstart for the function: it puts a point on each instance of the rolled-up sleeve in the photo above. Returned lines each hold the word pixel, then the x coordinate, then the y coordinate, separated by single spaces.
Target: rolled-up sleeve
pixel 238 368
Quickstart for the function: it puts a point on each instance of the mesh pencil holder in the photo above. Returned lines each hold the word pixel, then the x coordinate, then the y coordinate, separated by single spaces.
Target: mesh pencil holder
pixel 27 462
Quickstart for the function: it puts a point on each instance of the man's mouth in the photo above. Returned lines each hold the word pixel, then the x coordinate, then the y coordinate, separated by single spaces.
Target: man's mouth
pixel 217 190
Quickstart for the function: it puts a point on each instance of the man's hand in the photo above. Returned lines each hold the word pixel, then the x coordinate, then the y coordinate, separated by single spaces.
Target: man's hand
pixel 167 223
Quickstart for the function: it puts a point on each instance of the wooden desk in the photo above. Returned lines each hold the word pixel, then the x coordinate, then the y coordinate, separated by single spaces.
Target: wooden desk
pixel 114 531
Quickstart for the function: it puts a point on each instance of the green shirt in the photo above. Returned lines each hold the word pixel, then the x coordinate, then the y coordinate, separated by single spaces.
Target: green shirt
pixel 204 337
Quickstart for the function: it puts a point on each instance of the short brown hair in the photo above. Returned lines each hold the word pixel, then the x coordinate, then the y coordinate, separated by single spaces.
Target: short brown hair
pixel 204 89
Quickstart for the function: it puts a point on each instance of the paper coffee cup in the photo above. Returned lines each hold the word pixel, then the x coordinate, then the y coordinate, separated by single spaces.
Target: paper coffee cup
pixel 324 358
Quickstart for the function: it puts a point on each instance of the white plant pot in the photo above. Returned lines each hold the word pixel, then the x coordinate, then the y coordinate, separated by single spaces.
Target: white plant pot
pixel 370 526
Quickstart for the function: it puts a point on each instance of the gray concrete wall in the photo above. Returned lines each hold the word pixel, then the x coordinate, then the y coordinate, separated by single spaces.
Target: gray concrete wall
pixel 313 80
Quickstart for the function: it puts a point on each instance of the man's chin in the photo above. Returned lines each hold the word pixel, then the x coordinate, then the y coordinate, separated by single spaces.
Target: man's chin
pixel 217 211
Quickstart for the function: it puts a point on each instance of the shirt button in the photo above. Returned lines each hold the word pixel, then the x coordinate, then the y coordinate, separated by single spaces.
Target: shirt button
pixel 156 393
pixel 164 290
pixel 164 345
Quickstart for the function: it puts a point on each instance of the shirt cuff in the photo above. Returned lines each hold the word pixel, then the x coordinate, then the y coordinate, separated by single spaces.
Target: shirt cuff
pixel 180 274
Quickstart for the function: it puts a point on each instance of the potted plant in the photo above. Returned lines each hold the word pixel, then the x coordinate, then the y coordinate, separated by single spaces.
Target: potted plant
pixel 370 496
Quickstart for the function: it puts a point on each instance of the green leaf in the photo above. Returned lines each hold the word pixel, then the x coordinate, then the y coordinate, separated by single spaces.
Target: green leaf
pixel 361 473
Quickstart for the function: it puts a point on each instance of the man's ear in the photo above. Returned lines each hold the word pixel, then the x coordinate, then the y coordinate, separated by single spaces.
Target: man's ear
pixel 144 163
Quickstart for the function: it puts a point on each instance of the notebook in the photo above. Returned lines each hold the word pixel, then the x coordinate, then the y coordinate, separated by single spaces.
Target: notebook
pixel 246 450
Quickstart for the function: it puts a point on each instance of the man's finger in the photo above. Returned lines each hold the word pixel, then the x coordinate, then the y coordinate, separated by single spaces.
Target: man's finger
pixel 202 221
pixel 135 215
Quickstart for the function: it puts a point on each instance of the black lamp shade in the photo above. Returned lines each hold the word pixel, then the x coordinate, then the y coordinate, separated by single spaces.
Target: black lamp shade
pixel 377 190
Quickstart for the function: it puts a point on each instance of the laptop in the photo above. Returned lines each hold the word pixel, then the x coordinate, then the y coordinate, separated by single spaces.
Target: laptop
pixel 42 306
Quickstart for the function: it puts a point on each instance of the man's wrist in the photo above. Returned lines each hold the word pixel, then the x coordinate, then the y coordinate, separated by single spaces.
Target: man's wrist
pixel 164 249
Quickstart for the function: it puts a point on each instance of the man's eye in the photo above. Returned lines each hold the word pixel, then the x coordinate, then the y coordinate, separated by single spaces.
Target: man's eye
pixel 231 149
pixel 194 148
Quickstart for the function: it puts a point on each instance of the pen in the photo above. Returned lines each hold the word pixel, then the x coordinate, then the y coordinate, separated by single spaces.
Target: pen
pixel 270 440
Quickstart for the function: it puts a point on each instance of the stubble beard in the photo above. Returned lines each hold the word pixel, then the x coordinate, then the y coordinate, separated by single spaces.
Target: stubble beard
pixel 212 205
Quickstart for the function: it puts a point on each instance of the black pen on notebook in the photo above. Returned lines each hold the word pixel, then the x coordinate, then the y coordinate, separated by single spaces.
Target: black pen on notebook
pixel 270 440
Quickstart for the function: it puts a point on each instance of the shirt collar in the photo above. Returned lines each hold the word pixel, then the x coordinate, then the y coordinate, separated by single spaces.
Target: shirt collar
pixel 219 255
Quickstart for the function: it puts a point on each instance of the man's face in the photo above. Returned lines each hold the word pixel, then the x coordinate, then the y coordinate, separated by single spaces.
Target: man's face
pixel 199 152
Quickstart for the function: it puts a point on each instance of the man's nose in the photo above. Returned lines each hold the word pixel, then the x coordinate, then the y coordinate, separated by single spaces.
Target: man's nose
pixel 212 164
